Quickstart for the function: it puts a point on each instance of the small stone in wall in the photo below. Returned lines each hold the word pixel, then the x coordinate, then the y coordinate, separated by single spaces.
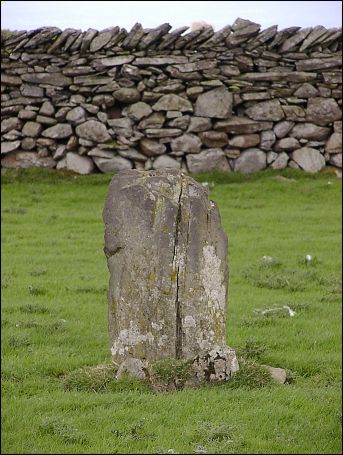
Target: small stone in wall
pixel 127 95
pixel 47 109
pixel 112 165
pixel 334 143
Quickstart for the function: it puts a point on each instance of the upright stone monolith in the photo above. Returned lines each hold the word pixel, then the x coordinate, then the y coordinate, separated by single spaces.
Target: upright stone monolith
pixel 167 256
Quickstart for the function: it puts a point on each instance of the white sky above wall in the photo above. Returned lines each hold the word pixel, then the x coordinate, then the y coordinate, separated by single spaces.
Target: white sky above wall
pixel 28 15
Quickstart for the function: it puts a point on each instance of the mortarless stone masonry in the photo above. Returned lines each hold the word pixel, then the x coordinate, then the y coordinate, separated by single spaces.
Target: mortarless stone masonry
pixel 156 98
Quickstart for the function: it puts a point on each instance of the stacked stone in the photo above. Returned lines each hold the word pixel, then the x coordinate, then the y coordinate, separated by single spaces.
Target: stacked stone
pixel 239 99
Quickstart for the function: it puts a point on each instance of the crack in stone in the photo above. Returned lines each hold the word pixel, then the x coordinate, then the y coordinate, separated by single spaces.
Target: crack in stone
pixel 176 264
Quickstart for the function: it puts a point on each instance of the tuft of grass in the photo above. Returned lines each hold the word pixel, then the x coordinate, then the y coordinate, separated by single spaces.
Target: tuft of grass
pixel 251 350
pixel 170 372
pixel 18 341
pixel 35 290
pixel 68 433
pixel 34 308
pixel 250 375
pixel 90 379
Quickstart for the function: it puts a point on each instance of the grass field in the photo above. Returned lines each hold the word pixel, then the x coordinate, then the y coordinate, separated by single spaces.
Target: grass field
pixel 54 322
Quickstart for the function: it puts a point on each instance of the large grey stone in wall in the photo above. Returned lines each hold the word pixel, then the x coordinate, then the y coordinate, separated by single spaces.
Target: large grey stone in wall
pixel 47 78
pixel 93 131
pixel 171 102
pixel 323 111
pixel 266 110
pixel 208 160
pixel 215 103
pixel 309 159
pixel 59 131
pixel 242 125
pixel 20 159
pixel 251 160
pixel 7 147
pixel 244 141
pixel 112 165
pixel 151 148
pixel 166 162
pixel 32 129
pixel 334 143
pixel 10 123
pixel 309 131
pixel 187 143
pixel 127 95
pixel 138 111
pixel 336 160
pixel 167 256
pixel 79 164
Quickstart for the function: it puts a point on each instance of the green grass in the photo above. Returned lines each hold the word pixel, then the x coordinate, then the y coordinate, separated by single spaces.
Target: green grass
pixel 57 393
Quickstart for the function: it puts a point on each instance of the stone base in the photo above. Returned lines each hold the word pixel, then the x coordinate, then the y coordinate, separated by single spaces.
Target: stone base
pixel 217 365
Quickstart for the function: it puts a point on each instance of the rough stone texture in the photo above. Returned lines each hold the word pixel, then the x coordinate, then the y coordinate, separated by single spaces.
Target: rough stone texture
pixel 167 256
pixel 173 103
pixel 336 160
pixel 79 164
pixel 19 159
pixel 7 147
pixel 309 131
pixel 60 131
pixel 309 159
pixel 217 365
pixel 334 143
pixel 251 160
pixel 93 131
pixel 215 103
pixel 166 162
pixel 161 84
pixel 244 141
pixel 32 129
pixel 187 143
pixel 112 165
pixel 280 162
pixel 266 110
pixel 322 111
pixel 278 374
pixel 208 160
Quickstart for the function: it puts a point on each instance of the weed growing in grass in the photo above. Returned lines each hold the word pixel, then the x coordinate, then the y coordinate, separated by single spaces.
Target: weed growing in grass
pixel 67 432
pixel 38 272
pixel 102 379
pixel 251 350
pixel 136 432
pixel 217 438
pixel 34 290
pixel 90 379
pixel 250 376
pixel 34 308
pixel 18 341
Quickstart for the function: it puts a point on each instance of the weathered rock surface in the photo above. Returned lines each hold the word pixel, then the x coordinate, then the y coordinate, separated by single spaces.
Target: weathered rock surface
pixel 167 256
pixel 215 103
pixel 79 164
pixel 251 160
pixel 208 160
pixel 100 94
pixel 309 159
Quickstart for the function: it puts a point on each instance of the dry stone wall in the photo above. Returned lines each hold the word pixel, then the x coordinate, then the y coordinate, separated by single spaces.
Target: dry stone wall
pixel 240 99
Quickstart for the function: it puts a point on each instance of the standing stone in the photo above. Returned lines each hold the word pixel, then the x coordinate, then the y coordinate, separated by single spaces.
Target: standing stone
pixel 167 256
